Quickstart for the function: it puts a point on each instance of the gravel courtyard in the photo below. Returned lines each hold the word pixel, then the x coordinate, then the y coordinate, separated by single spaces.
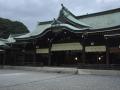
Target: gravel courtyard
pixel 29 80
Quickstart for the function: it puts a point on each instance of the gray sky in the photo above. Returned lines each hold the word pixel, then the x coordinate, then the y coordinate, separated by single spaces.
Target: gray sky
pixel 32 11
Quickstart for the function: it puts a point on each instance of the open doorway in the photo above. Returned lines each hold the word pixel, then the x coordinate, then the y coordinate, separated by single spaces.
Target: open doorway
pixel 66 58
pixel 95 58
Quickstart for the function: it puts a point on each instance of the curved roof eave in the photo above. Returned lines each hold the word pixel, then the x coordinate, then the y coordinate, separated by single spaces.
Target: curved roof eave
pixel 23 36
pixel 36 34
pixel 3 44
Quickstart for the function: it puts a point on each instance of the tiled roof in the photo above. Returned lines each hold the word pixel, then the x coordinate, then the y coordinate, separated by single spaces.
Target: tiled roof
pixel 103 19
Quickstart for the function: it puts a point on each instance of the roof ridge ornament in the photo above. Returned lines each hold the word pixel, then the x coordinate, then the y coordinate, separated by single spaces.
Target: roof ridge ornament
pixel 69 12
pixel 62 5
pixel 55 22
pixel 10 39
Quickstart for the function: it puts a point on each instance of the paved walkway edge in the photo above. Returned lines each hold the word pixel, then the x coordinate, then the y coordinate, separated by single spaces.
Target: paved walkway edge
pixel 66 70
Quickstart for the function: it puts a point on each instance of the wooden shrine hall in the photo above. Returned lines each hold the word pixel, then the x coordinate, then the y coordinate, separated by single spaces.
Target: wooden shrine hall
pixel 68 40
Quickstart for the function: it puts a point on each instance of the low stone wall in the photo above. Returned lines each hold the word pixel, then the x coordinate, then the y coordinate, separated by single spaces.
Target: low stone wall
pixel 99 72
pixel 44 69
pixel 66 70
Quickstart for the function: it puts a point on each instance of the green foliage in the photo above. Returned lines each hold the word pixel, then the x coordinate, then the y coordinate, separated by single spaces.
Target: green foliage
pixel 11 27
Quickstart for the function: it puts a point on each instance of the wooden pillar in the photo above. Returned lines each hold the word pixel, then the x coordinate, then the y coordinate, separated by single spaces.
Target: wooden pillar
pixel 23 58
pixel 107 51
pixel 83 54
pixel 107 55
pixel 15 56
pixel 49 54
pixel 11 57
pixel 34 53
pixel 3 58
pixel 23 52
pixel 34 58
pixel 49 57
pixel 83 50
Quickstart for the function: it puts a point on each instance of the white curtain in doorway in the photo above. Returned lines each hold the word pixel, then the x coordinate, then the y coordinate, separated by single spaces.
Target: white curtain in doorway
pixel 95 49
pixel 66 46
pixel 43 50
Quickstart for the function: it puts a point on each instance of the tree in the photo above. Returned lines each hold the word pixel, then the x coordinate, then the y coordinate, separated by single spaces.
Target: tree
pixel 8 27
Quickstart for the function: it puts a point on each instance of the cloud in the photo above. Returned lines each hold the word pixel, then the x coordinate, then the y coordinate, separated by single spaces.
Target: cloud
pixel 32 11
pixel 107 1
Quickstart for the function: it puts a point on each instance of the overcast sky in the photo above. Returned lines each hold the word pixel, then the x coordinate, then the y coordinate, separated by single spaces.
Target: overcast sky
pixel 32 11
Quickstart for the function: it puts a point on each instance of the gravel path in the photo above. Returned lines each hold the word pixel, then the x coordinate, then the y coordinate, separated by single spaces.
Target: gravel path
pixel 29 80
